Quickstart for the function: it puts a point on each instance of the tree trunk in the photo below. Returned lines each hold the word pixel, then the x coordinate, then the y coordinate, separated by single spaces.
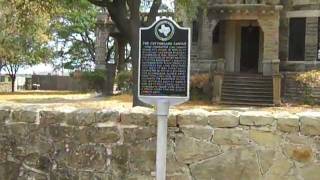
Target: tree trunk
pixel 13 80
pixel 110 76
pixel 135 66
pixel 121 52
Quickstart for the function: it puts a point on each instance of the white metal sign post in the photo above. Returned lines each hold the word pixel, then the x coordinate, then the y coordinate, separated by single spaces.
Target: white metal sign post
pixel 164 73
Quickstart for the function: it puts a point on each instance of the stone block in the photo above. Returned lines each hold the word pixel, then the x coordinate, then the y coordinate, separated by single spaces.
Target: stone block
pixel 230 137
pixel 310 172
pixel 179 177
pixel 298 139
pixel 256 118
pixel 60 133
pixel 310 123
pixel 190 150
pixel 287 122
pixel 28 116
pixel 104 135
pixel 279 169
pixel 193 117
pixel 107 115
pixel 300 153
pixel 134 135
pixel 265 159
pixel 9 170
pixel 51 117
pixel 262 138
pixel 4 115
pixel 84 117
pixel 172 120
pixel 198 132
pixel 88 157
pixel 234 164
pixel 138 116
pixel 223 119
pixel 143 157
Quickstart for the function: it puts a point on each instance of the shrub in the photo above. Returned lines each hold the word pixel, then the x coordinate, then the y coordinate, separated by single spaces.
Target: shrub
pixel 200 88
pixel 96 79
pixel 124 81
pixel 308 81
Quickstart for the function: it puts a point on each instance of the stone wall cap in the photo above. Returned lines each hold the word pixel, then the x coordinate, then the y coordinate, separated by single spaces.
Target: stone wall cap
pixel 315 114
pixel 224 112
pixel 285 115
pixel 200 112
pixel 257 113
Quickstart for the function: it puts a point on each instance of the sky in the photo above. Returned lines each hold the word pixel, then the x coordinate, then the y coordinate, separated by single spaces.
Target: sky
pixel 44 69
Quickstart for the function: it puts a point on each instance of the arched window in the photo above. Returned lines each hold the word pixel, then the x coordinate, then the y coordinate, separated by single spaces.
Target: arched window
pixel 195 31
pixel 216 34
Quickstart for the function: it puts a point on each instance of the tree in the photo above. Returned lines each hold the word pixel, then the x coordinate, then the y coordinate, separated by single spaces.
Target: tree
pixel 23 36
pixel 1 64
pixel 74 33
pixel 126 16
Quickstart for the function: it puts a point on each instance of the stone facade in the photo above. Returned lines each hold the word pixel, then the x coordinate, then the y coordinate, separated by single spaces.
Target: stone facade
pixel 120 144
pixel 273 17
pixel 5 86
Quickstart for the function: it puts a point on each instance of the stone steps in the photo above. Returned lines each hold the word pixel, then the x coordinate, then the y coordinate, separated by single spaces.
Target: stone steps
pixel 247 89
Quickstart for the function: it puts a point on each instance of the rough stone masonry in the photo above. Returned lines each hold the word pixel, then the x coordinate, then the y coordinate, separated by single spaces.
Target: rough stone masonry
pixel 114 144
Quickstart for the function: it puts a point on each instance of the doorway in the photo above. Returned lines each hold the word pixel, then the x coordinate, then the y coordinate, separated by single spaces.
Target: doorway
pixel 250 45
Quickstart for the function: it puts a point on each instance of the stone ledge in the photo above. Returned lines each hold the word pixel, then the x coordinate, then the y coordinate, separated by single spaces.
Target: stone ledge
pixel 308 123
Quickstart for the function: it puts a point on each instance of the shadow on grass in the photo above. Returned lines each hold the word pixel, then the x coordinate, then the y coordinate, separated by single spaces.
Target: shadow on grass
pixel 42 93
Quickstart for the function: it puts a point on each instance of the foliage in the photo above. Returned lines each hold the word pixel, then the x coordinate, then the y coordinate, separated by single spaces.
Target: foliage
pixel 74 33
pixel 23 35
pixel 95 78
pixel 200 87
pixel 189 8
pixel 308 81
pixel 124 81
pixel 310 78
pixel 128 18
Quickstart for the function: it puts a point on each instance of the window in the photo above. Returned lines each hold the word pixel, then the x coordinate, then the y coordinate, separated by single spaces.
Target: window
pixel 297 33
pixel 2 79
pixel 195 31
pixel 216 34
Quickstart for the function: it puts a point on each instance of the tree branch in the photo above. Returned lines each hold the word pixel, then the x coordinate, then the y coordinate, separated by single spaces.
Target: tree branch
pixel 153 12
pixel 101 3
pixel 134 6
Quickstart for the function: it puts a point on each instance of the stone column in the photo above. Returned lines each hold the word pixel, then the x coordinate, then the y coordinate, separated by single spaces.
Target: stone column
pixel 277 89
pixel 102 34
pixel 217 75
pixel 311 41
pixel 205 46
pixel 270 27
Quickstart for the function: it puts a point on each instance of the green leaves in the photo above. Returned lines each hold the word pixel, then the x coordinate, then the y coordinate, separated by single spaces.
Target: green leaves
pixel 74 31
pixel 24 32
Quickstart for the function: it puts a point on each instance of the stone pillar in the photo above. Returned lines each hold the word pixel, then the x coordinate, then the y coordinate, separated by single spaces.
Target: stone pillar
pixel 205 45
pixel 217 75
pixel 311 41
pixel 102 34
pixel 270 28
pixel 277 89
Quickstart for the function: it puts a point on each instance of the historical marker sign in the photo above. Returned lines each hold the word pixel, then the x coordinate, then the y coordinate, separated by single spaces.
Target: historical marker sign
pixel 164 62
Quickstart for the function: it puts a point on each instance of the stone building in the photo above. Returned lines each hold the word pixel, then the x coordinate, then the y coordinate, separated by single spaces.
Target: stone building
pixel 257 41
pixel 251 48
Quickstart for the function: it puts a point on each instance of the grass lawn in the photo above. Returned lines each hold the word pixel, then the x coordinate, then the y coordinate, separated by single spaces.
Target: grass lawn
pixel 62 99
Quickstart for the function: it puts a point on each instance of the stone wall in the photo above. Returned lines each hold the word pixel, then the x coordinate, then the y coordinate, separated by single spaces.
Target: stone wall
pixel 120 144
pixel 311 46
pixel 5 86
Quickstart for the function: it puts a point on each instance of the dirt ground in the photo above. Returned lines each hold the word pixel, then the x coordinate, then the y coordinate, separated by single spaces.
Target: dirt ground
pixel 61 99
